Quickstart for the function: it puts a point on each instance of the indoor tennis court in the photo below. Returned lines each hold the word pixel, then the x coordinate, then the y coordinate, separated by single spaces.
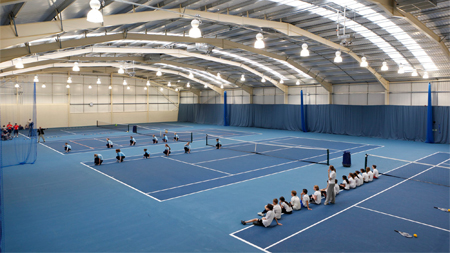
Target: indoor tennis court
pixel 225 126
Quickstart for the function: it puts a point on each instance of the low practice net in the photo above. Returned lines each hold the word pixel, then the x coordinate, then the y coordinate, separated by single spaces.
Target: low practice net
pixel 114 127
pixel 182 136
pixel 426 171
pixel 290 152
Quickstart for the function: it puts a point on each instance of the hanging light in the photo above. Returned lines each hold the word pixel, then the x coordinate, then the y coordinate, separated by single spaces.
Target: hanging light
pixel 259 43
pixel 425 75
pixel 188 85
pixel 36 79
pixel 68 86
pixel 305 51
pixel 414 73
pixel 221 86
pixel 159 73
pixel 69 79
pixel 281 81
pixel 195 32
pixel 94 15
pixel 125 82
pixel 176 89
pixel 90 87
pixel 218 75
pixel 263 80
pixel 191 75
pixel 128 87
pixel 161 89
pixel 169 84
pixel 242 78
pixel 43 86
pixel 98 81
pixel 75 68
pixel 17 85
pixel 364 63
pixel 145 88
pixel 338 57
pixel 110 87
pixel 19 64
pixel 206 86
pixel 298 82
pixel 401 70
pixel 148 83
pixel 384 67
pixel 121 70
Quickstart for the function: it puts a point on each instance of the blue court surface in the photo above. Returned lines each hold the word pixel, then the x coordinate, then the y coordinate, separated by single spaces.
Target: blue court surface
pixel 195 202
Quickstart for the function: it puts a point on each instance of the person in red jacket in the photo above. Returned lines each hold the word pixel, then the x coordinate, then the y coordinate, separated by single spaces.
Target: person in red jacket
pixel 16 130
pixel 9 127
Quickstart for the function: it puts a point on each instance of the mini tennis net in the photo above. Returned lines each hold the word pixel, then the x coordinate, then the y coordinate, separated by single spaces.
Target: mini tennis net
pixel 182 136
pixel 115 127
pixel 289 152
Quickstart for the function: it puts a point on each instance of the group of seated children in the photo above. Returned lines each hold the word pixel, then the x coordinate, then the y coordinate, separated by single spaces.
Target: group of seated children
pixel 164 138
pixel 10 129
pixel 275 210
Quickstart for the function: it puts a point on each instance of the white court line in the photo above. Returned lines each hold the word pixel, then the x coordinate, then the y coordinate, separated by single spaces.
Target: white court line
pixel 220 159
pixel 334 141
pixel 212 179
pixel 249 243
pixel 256 177
pixel 331 216
pixel 24 135
pixel 197 165
pixel 68 132
pixel 52 149
pixel 120 182
pixel 398 217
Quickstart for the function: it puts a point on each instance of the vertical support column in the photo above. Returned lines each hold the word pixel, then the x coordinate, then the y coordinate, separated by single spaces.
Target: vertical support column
pixel 148 105
pixel 286 97
pixel 330 98
pixel 68 107
pixel 386 97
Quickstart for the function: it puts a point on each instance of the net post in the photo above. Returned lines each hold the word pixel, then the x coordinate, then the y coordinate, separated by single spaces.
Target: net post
pixel 97 123
pixel 365 161
pixel 206 139
pixel 192 137
pixel 328 157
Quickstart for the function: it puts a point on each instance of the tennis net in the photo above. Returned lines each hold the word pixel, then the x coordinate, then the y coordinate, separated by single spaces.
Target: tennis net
pixel 182 136
pixel 297 153
pixel 115 127
pixel 434 169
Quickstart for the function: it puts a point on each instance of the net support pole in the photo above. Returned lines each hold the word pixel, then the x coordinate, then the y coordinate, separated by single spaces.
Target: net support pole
pixel 430 137
pixel 302 111
pixel 206 140
pixel 192 137
pixel 328 157
pixel 365 161
pixel 225 123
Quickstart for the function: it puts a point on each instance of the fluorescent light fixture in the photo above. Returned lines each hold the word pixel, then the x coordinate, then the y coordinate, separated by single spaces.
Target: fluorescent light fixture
pixel 188 85
pixel 98 81
pixel 94 15
pixel 338 58
pixel 414 73
pixel 148 83
pixel 121 70
pixel 221 86
pixel 90 87
pixel 161 89
pixel 17 85
pixel 43 86
pixel 364 63
pixel 401 70
pixel 75 68
pixel 384 67
pixel 176 89
pixel 242 78
pixel 19 64
pixel 206 86
pixel 305 51
pixel 68 86
pixel 69 79
pixel 259 43
pixel 218 75
pixel 263 80
pixel 36 79
pixel 281 81
pixel 125 82
pixel 159 73
pixel 298 82
pixel 195 32
pixel 128 87
pixel 425 75
pixel 169 84
pixel 110 87
pixel 191 75
pixel 145 88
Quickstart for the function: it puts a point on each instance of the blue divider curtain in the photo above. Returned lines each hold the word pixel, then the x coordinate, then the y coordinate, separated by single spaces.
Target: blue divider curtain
pixel 382 121
pixel 430 137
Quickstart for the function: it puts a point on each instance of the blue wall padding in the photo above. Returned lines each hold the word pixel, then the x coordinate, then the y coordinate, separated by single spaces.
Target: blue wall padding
pixel 430 138
pixel 382 121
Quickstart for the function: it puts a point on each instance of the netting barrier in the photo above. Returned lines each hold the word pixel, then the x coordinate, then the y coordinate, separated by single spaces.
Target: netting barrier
pixel 182 135
pixel 18 143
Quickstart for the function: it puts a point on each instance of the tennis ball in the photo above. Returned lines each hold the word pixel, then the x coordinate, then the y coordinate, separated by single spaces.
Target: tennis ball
pixel 415 235
pixel 448 210
pixel 116 124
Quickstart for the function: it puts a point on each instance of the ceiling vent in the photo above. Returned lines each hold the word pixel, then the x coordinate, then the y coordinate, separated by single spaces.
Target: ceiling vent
pixel 415 5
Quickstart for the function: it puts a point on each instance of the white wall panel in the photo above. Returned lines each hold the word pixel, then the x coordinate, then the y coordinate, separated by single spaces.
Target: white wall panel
pixel 400 99
pixel 357 99
pixel 340 99
pixel 375 99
